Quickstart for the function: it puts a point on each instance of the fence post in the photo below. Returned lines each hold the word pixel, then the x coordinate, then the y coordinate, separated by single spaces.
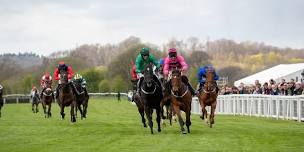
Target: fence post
pixel 299 101
pixel 17 100
pixel 277 107
pixel 4 100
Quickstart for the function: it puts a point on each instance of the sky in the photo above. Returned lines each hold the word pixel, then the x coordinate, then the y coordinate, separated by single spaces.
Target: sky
pixel 48 26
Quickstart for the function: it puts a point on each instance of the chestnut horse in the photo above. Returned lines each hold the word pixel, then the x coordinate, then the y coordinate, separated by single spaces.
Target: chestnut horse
pixel 47 99
pixel 181 99
pixel 207 96
pixel 66 96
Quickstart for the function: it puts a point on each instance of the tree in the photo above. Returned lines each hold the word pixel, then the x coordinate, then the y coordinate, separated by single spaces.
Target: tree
pixel 104 86
pixel 118 84
pixel 233 73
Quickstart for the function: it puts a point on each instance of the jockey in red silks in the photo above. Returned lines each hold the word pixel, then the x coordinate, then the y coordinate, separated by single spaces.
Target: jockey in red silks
pixel 64 67
pixel 46 78
pixel 173 61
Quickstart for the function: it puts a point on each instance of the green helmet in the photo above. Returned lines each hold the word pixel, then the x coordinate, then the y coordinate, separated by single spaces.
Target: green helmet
pixel 77 76
pixel 144 51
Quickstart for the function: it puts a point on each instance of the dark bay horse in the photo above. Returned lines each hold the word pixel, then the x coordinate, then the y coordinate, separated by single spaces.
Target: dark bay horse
pixel 181 99
pixel 140 107
pixel 81 99
pixel 66 96
pixel 35 101
pixel 208 95
pixel 1 98
pixel 151 95
pixel 47 99
pixel 167 103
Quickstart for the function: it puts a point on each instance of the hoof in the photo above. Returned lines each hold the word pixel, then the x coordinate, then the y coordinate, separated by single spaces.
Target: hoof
pixel 145 125
pixel 184 132
pixel 159 130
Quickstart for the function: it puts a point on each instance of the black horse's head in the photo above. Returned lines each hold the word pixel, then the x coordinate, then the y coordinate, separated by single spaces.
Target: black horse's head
pixel 63 76
pixel 176 80
pixel 148 75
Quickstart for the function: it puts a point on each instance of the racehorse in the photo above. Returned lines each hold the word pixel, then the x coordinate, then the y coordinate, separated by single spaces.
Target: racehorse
pixel 181 99
pixel 140 107
pixel 47 99
pixel 207 96
pixel 151 95
pixel 81 99
pixel 166 102
pixel 1 99
pixel 35 101
pixel 66 96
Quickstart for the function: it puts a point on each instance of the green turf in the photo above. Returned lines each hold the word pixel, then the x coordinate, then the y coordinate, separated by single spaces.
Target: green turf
pixel 113 126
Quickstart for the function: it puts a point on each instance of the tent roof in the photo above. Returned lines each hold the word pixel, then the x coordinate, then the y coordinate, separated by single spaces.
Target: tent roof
pixel 271 73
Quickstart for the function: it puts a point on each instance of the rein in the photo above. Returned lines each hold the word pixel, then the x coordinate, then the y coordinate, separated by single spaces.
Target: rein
pixel 146 92
pixel 177 96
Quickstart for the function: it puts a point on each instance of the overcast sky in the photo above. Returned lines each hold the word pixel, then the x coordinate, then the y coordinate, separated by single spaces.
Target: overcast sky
pixel 43 26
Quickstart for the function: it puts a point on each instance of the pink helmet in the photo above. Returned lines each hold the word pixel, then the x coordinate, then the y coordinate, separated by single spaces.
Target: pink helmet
pixel 47 75
pixel 172 50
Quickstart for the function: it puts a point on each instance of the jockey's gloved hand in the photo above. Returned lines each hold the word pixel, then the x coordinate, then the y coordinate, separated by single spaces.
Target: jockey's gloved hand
pixel 139 75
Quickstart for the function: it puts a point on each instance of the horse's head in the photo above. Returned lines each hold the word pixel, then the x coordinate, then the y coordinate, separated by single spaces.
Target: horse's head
pixel 148 75
pixel 63 77
pixel 48 84
pixel 176 80
pixel 48 91
pixel 210 84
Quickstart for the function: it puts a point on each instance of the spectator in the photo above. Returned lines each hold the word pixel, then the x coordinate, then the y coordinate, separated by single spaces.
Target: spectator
pixel 298 89
pixel 242 89
pixel 274 90
pixel 258 89
pixel 265 88
pixel 235 90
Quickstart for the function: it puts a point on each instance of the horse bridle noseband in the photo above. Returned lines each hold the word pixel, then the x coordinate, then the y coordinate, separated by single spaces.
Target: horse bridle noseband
pixel 181 95
pixel 205 91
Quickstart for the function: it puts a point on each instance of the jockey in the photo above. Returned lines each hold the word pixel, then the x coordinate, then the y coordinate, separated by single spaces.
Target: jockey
pixel 34 91
pixel 46 78
pixel 134 78
pixel 82 81
pixel 202 76
pixel 142 60
pixel 176 61
pixel 161 69
pixel 64 67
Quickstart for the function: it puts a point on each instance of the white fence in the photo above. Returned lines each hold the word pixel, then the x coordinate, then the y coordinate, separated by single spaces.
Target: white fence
pixel 284 107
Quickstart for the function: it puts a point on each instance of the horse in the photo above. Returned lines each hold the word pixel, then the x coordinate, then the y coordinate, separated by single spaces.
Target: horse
pixel 167 103
pixel 47 99
pixel 151 95
pixel 81 99
pixel 181 99
pixel 1 99
pixel 66 96
pixel 35 101
pixel 207 96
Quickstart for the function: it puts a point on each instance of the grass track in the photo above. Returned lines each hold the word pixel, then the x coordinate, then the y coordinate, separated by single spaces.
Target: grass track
pixel 113 126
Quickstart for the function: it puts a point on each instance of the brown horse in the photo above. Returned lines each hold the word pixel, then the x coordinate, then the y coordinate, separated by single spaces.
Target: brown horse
pixel 47 99
pixel 81 99
pixel 66 96
pixel 181 99
pixel 207 96
pixel 1 99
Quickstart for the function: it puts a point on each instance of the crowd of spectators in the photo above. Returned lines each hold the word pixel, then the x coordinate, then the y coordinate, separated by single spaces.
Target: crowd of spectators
pixel 268 88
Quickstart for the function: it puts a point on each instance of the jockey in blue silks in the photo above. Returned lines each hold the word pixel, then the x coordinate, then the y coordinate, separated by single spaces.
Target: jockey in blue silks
pixel 202 76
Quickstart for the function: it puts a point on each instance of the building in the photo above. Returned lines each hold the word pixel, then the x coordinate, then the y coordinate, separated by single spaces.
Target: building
pixel 277 73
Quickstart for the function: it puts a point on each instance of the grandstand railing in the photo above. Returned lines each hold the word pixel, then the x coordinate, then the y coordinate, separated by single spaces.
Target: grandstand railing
pixel 279 107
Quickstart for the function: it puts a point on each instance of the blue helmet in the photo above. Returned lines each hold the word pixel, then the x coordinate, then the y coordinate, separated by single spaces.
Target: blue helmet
pixel 161 61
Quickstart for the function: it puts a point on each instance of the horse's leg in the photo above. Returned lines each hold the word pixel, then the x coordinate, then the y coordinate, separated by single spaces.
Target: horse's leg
pixel 158 115
pixel 213 106
pixel 80 110
pixel 149 111
pixel 141 110
pixel 44 108
pixel 49 110
pixel 180 119
pixel 162 109
pixel 170 109
pixel 85 106
pixel 62 111
pixel 33 107
pixel 188 121
pixel 72 112
pixel 37 110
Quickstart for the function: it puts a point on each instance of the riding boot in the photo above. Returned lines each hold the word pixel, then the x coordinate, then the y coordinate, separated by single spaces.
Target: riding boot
pixel 86 92
pixel 139 84
pixel 57 91
pixel 42 93
pixel 186 81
